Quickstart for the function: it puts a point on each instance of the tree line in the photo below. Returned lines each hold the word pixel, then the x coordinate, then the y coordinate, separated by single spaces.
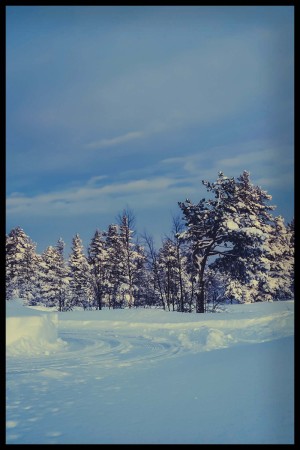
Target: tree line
pixel 228 247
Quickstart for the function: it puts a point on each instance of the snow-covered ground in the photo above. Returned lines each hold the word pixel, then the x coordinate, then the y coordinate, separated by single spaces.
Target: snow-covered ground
pixel 150 377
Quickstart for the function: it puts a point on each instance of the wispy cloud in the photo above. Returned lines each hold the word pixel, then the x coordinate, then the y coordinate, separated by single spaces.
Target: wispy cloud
pixel 94 180
pixel 104 143
pixel 90 198
pixel 270 164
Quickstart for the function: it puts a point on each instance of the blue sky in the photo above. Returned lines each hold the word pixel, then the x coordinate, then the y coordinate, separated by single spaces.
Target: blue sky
pixel 132 106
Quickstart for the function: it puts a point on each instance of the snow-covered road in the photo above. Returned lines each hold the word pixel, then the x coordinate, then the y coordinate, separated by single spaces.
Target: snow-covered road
pixel 149 376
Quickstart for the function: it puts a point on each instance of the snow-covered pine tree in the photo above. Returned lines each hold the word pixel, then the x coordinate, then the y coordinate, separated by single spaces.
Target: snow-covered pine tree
pixel 115 266
pixel 130 256
pixel 21 266
pixel 97 258
pixel 205 231
pixel 49 278
pixel 276 282
pixel 141 279
pixel 11 269
pixel 270 273
pixel 291 233
pixel 54 278
pixel 233 226
pixel 63 278
pixel 169 273
pixel 252 224
pixel 81 281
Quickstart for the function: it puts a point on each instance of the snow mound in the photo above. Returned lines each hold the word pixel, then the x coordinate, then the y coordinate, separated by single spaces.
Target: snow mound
pixel 218 339
pixel 29 331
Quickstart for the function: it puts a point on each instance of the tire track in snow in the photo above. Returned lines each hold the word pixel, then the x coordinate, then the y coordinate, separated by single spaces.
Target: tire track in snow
pixel 105 344
pixel 91 348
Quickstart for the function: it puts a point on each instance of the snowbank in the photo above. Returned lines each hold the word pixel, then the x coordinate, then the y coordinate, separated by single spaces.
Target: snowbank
pixel 236 324
pixel 30 331
pixel 160 316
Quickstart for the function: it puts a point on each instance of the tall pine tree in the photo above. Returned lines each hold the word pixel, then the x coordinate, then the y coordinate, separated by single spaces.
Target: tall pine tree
pixel 81 281
pixel 231 227
pixel 97 258
pixel 21 266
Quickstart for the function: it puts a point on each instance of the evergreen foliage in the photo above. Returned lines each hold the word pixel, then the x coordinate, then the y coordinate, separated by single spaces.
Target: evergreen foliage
pixel 81 280
pixel 21 266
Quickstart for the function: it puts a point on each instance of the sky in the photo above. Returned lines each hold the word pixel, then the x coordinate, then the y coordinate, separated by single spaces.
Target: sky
pixel 113 107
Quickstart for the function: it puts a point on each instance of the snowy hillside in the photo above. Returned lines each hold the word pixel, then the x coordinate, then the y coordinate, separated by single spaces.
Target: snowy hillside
pixel 151 376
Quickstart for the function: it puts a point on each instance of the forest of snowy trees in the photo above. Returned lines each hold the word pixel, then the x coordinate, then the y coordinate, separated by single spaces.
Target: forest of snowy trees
pixel 225 248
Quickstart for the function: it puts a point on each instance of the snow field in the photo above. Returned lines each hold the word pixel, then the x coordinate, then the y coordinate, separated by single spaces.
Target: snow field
pixel 150 376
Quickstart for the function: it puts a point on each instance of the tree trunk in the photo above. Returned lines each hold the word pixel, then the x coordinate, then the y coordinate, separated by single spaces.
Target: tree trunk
pixel 156 274
pixel 99 301
pixel 181 302
pixel 200 301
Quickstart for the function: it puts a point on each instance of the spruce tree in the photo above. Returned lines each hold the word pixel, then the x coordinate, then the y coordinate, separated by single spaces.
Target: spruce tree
pixel 21 266
pixel 97 258
pixel 49 279
pixel 278 258
pixel 115 266
pixel 141 280
pixel 130 257
pixel 63 296
pixel 81 282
